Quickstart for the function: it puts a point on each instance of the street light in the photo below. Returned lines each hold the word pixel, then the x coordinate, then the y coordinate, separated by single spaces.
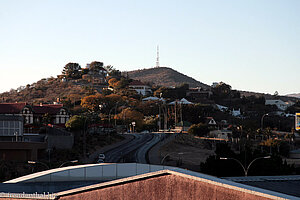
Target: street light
pixel 163 159
pixel 37 162
pixel 246 169
pixel 72 161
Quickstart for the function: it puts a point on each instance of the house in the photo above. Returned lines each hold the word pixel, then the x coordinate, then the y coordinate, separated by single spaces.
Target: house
pixel 140 87
pixel 214 84
pixel 181 101
pixel 221 108
pixel 151 99
pixel 236 113
pixel 210 121
pixel 96 77
pixel 56 113
pixel 197 94
pixel 281 105
pixel 221 134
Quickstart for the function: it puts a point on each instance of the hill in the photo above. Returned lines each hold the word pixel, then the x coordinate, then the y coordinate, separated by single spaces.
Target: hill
pixel 269 96
pixel 294 95
pixel 164 76
pixel 45 91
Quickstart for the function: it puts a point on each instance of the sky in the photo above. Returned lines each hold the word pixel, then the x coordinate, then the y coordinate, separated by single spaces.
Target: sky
pixel 252 45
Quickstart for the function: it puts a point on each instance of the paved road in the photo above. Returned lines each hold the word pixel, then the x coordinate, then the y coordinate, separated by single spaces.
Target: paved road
pixel 126 152
pixel 141 153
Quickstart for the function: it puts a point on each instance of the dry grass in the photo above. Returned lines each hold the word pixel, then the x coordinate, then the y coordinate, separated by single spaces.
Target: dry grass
pixel 191 151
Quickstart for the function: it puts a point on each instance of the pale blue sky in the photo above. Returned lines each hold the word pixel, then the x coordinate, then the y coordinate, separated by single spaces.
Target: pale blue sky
pixel 252 45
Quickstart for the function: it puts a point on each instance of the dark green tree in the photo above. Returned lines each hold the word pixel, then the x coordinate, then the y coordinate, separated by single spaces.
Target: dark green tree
pixel 96 66
pixel 76 122
pixel 72 70
pixel 199 129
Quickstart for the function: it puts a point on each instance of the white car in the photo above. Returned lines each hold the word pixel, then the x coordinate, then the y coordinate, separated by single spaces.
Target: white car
pixel 101 156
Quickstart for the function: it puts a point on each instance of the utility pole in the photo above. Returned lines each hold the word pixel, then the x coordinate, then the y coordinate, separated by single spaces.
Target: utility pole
pixel 159 122
pixel 175 113
pixel 166 117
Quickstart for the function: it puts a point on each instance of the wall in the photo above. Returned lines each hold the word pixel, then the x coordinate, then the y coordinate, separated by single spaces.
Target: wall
pixel 21 151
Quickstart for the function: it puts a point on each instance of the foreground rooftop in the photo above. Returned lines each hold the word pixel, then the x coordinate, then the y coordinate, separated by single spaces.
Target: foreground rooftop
pixel 133 181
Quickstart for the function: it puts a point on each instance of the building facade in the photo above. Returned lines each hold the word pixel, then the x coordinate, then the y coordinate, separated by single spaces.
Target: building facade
pixel 140 87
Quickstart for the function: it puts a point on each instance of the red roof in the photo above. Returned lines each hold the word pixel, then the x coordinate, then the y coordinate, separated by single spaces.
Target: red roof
pixel 49 108
pixel 11 108
pixel 136 82
pixel 16 108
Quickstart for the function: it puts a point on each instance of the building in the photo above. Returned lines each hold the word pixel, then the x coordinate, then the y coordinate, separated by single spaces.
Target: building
pixel 134 181
pixel 56 113
pixel 281 105
pixel 11 127
pixel 198 94
pixel 140 88
pixel 210 121
pixel 236 113
pixel 21 151
pixel 221 108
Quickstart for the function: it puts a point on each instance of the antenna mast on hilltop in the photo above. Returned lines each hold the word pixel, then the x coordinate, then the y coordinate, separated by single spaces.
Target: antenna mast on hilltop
pixel 157 58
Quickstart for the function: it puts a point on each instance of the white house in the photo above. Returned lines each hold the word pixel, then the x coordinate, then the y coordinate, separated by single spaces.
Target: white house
pixel 281 105
pixel 182 101
pixel 236 113
pixel 210 121
pixel 140 87
pixel 222 108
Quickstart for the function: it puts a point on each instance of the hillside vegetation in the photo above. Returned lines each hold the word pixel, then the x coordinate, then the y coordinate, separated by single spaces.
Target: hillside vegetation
pixel 45 91
pixel 164 76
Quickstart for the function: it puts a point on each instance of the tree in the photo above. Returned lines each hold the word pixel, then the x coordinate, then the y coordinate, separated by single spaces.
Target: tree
pixel 46 118
pixel 222 91
pixel 112 71
pixel 112 82
pixel 76 122
pixel 92 102
pixel 96 66
pixel 72 70
pixel 121 84
pixel 129 115
pixel 199 129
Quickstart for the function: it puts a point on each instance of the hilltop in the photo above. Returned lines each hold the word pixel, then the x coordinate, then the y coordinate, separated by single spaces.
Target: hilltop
pixel 164 76
pixel 46 90
pixel 294 95
pixel 269 96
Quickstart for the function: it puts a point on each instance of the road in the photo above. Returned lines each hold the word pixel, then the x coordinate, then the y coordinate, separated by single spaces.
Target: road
pixel 133 151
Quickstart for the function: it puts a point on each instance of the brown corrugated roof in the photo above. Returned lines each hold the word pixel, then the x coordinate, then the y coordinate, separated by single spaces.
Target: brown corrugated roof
pixel 16 108
pixel 11 108
pixel 43 109
pixel 137 82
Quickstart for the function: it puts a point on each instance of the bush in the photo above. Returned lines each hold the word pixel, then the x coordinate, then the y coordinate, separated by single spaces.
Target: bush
pixel 199 130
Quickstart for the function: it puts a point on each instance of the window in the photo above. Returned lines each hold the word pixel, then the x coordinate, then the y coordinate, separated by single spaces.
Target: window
pixel 11 124
pixel 10 128
pixel 17 124
pixel 5 124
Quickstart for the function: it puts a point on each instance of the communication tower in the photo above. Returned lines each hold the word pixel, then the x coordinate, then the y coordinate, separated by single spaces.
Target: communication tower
pixel 157 58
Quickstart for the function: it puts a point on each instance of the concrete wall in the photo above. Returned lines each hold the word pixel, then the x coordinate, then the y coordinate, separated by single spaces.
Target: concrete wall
pixel 60 142
pixel 21 151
